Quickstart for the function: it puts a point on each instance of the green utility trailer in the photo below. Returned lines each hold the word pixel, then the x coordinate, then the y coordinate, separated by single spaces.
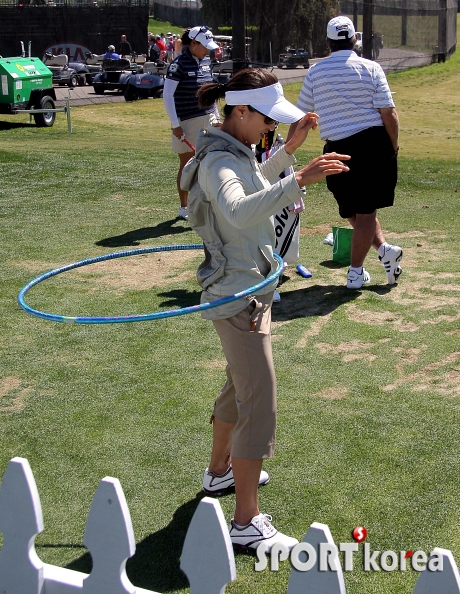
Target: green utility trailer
pixel 27 87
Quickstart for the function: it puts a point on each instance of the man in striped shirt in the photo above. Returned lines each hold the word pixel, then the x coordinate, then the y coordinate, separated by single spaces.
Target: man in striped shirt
pixel 357 117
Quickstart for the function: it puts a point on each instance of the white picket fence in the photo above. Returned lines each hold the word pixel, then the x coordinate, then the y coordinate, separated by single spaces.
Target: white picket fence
pixel 207 555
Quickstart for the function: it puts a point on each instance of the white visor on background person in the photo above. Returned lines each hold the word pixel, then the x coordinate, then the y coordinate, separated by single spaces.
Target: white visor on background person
pixel 204 36
pixel 340 28
pixel 268 100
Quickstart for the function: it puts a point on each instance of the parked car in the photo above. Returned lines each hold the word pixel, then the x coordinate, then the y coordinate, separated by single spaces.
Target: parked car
pixel 224 51
pixel 88 68
pixel 222 71
pixel 63 74
pixel 114 76
pixel 293 58
pixel 145 84
pixel 359 43
pixel 160 68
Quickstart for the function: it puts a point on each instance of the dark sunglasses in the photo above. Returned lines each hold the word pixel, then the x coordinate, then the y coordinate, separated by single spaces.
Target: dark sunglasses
pixel 267 120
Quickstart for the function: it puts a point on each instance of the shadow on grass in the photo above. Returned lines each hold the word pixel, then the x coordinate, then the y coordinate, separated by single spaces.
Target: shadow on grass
pixel 317 300
pixel 332 264
pixel 156 563
pixel 180 298
pixel 137 235
pixel 15 125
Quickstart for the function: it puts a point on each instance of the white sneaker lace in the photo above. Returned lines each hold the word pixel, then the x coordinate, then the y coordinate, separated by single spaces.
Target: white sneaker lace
pixel 263 523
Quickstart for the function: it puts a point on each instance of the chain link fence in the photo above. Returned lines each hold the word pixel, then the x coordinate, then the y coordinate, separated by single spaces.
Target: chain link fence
pixel 408 32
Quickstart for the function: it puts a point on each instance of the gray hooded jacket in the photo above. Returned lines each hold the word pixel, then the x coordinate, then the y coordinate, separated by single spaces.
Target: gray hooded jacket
pixel 231 206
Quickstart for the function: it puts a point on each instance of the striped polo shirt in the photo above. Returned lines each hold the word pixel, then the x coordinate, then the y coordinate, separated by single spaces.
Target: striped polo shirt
pixel 191 74
pixel 346 91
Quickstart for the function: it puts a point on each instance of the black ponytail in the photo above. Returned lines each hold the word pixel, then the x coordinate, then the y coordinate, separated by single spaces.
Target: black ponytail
pixel 249 78
pixel 210 93
pixel 185 38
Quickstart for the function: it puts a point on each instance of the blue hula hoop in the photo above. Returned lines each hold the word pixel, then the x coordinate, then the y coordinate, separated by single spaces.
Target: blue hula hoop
pixel 136 317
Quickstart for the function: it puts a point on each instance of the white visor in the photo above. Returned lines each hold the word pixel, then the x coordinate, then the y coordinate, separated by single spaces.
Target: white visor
pixel 268 100
pixel 203 36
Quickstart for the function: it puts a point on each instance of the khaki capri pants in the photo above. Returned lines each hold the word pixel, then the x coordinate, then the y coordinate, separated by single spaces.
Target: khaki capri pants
pixel 191 130
pixel 248 397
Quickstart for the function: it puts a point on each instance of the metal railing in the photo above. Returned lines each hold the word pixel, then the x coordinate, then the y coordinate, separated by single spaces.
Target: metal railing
pixel 65 109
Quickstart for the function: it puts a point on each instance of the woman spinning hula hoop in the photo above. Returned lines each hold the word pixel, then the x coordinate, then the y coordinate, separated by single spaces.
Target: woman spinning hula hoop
pixel 231 206
pixel 134 317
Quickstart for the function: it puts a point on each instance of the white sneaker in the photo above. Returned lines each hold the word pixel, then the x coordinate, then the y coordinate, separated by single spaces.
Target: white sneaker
pixel 259 531
pixel 329 239
pixel 356 281
pixel 183 214
pixel 276 297
pixel 219 484
pixel 390 260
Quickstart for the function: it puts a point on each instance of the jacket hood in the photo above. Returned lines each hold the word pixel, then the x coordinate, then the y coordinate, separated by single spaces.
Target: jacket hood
pixel 212 139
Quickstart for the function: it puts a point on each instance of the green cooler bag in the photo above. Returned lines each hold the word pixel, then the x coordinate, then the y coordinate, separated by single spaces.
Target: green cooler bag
pixel 341 250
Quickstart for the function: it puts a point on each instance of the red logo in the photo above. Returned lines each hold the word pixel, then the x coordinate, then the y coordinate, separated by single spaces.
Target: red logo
pixel 408 554
pixel 359 533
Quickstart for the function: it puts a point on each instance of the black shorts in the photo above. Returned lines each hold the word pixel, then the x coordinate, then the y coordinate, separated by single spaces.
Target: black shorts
pixel 370 183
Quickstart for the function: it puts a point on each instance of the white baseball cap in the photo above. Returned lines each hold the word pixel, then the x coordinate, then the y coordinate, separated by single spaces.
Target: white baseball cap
pixel 204 36
pixel 340 27
pixel 268 100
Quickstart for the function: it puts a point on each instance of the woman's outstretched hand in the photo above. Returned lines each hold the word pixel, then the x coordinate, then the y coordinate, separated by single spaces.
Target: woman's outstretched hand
pixel 307 123
pixel 319 168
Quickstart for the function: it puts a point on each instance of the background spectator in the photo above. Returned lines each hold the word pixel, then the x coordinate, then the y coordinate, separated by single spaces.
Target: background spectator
pixel 170 49
pixel 177 47
pixel 111 54
pixel 125 47
pixel 153 51
pixel 162 46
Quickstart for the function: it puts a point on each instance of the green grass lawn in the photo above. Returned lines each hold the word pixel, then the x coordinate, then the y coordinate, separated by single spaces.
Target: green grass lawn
pixel 368 381
pixel 156 26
